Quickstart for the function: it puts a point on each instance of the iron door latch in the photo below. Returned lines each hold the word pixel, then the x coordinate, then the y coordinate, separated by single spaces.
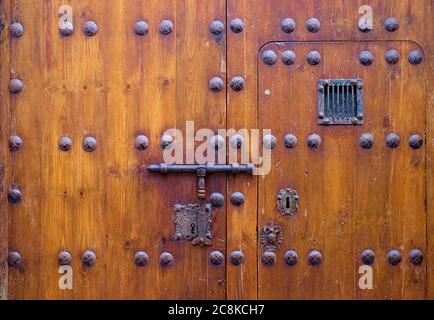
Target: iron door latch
pixel 193 221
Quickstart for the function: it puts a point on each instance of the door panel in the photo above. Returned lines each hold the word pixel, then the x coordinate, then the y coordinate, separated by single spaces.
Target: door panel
pixel 350 199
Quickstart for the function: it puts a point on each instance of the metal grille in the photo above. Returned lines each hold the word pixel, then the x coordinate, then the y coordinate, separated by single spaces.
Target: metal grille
pixel 340 101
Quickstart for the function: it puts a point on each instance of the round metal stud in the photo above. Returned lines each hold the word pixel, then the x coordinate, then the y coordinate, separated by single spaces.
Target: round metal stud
pixel 166 260
pixel 237 25
pixel 166 141
pixel 141 259
pixel 64 258
pixel 15 143
pixel 366 141
pixel 314 58
pixel 237 199
pixel 217 27
pixel 237 258
pixel 14 196
pixel 166 27
pixel 66 29
pixel 141 143
pixel 14 260
pixel 237 141
pixel 269 57
pixel 288 25
pixel 314 141
pixel 368 257
pixel 290 141
pixel 291 258
pixel 288 57
pixel 366 58
pixel 392 56
pixel 415 141
pixel 88 258
pixel 416 257
pixel 216 84
pixel 16 86
pixel 216 258
pixel 237 83
pixel 394 257
pixel 16 29
pixel 268 258
pixel 313 25
pixel 217 200
pixel 217 142
pixel 269 141
pixel 90 28
pixel 89 144
pixel 65 144
pixel 393 140
pixel 315 258
pixel 141 28
pixel 391 24
pixel 415 57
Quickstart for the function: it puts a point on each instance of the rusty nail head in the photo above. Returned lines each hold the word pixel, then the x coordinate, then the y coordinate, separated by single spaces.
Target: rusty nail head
pixel 88 258
pixel 141 259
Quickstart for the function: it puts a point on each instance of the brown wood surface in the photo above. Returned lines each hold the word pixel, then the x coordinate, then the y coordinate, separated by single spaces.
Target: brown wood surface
pixel 117 85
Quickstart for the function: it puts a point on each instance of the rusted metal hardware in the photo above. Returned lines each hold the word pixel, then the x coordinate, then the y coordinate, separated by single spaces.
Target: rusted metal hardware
pixel 88 258
pixel 269 57
pixel 392 56
pixel 141 259
pixel 271 238
pixel 416 257
pixel 366 58
pixel 269 141
pixel 314 58
pixel 141 143
pixel 314 141
pixel 290 141
pixel 64 258
pixel 415 57
pixel 237 141
pixel 368 257
pixel 65 144
pixel 89 144
pixel 394 257
pixel 16 30
pixel 366 141
pixel 166 141
pixel 166 260
pixel 393 140
pixel 216 258
pixel 237 83
pixel 216 84
pixel 340 102
pixel 15 143
pixel 217 28
pixel 237 199
pixel 237 257
pixel 291 258
pixel 16 86
pixel 193 221
pixel 166 27
pixel 288 25
pixel 90 28
pixel 288 57
pixel 217 141
pixel 141 28
pixel 313 25
pixel 217 200
pixel 415 141
pixel 14 196
pixel 391 24
pixel 237 25
pixel 287 202
pixel 66 29
pixel 315 258
pixel 14 260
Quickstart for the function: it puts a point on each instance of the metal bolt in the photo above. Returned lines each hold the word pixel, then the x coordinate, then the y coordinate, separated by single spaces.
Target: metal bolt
pixel 269 141
pixel 288 25
pixel 217 200
pixel 166 27
pixel 217 141
pixel 366 141
pixel 394 257
pixel 142 142
pixel 290 141
pixel 14 260
pixel 314 141
pixel 16 86
pixel 64 258
pixel 237 258
pixel 416 257
pixel 216 27
pixel 16 29
pixel 237 141
pixel 268 258
pixel 216 258
pixel 65 144
pixel 66 29
pixel 391 24
pixel 366 58
pixel 15 143
pixel 314 58
pixel 288 57
pixel 88 258
pixel 237 25
pixel 14 196
pixel 415 141
pixel 392 56
pixel 141 259
pixel 166 260
pixel 237 83
pixel 315 258
pixel 269 57
pixel 89 144
pixel 90 28
pixel 291 258
pixel 166 141
pixel 313 25
pixel 393 140
pixel 216 84
pixel 141 28
pixel 415 57
pixel 368 257
pixel 237 199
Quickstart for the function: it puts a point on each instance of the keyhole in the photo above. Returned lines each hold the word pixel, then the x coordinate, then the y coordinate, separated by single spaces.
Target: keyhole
pixel 193 228
pixel 288 206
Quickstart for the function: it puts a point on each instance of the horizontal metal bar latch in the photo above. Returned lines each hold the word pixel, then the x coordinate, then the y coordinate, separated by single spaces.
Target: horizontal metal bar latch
pixel 201 169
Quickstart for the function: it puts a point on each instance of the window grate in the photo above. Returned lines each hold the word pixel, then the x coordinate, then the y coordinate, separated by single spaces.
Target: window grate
pixel 340 102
